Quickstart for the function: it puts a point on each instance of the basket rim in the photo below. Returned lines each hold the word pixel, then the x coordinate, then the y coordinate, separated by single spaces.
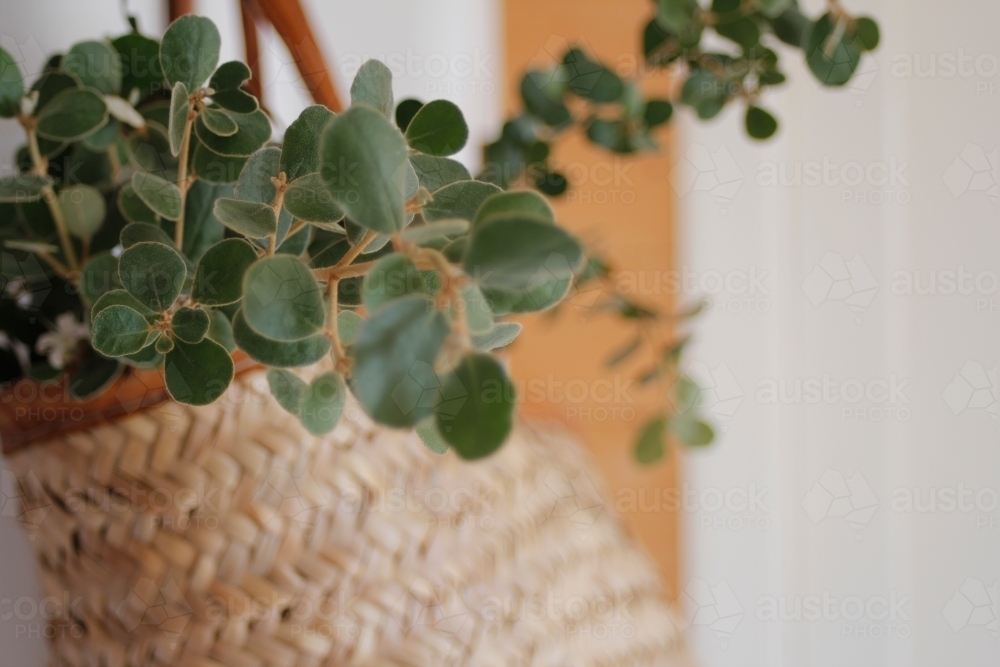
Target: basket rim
pixel 33 412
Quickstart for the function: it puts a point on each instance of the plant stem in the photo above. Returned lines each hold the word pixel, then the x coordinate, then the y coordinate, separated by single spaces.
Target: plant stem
pixel 280 185
pixel 182 177
pixel 341 363
pixel 56 265
pixel 356 249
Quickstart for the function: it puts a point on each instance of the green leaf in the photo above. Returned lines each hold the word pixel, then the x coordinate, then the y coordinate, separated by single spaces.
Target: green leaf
pixel 650 445
pixel 180 107
pixel 542 95
pixel 525 202
pixel 214 168
pixel 744 31
pixel 138 232
pixel 229 76
pixel 759 123
pixel 517 254
pixel 148 357
pixel 304 352
pixel 218 279
pixel 657 112
pixel 791 27
pixel 96 64
pixel 254 129
pixel 478 315
pixel 677 15
pixel 99 275
pixel 544 293
pixel 705 93
pixel 365 168
pixel 427 430
pixel 867 33
pixel 23 188
pixel 772 8
pixel 323 403
pixel 308 199
pixel 297 243
pixel 832 54
pixel 153 273
pixel 189 51
pixel 439 229
pixel 201 228
pixel 433 173
pixel 72 115
pixel 190 324
pixel 119 297
pixel 281 299
pixel 237 101
pixel 159 194
pixel 49 85
pixel 83 209
pixel 372 86
pixel 197 373
pixel 393 277
pixel 119 330
pixel 349 326
pixel 590 79
pixel 252 219
pixel 460 199
pixel 11 86
pixel 163 344
pixel 219 122
pixel 300 146
pixel 405 111
pixel 693 431
pixel 221 331
pixel 476 412
pixel 94 376
pixel 438 129
pixel 393 375
pixel 140 58
pixel 501 335
pixel 288 389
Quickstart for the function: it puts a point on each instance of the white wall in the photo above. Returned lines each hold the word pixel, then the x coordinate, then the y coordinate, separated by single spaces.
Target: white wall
pixel 834 474
pixel 436 49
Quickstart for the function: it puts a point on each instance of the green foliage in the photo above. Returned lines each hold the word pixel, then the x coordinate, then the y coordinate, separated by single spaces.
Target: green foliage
pixel 438 128
pixel 475 413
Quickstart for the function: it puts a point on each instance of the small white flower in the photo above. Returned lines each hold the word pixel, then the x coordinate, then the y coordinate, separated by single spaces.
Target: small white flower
pixel 17 290
pixel 61 343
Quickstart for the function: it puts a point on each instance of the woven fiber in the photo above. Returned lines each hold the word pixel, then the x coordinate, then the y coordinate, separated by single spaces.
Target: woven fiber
pixel 227 536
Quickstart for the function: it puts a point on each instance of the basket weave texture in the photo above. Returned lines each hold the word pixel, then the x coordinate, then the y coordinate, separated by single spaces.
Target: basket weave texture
pixel 227 536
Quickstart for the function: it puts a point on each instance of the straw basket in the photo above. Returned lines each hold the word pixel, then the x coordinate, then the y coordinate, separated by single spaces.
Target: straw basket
pixel 228 536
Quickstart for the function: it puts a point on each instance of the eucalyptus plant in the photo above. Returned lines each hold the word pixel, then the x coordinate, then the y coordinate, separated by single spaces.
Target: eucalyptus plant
pixel 155 224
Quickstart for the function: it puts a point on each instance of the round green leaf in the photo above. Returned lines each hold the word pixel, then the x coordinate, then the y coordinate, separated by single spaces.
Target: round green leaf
pixel 300 145
pixel 650 445
pixel 158 194
pixel 253 131
pixel 281 299
pixel 475 414
pixel 180 107
pixel 349 326
pixel 428 432
pixel 517 254
pixel 219 122
pixel 218 279
pixel 692 430
pixel 657 112
pixel 221 331
pixel 189 51
pixel 323 404
pixel 460 199
pixel 405 111
pixel 163 344
pixel 96 64
pixel 190 324
pixel 591 79
pixel 119 297
pixel 439 229
pixel 119 330
pixel 140 58
pixel 23 188
pixel 72 115
pixel 153 273
pixel 11 86
pixel 133 208
pixel 229 76
pixel 83 210
pixel 867 33
pixel 275 353
pixel 308 199
pixel 501 335
pixel 392 277
pixel 288 389
pixel 760 124
pixel 542 95
pixel 833 61
pixel 99 275
pixel 393 375
pixel 526 202
pixel 477 312
pixel 214 168
pixel 94 376
pixel 197 373
pixel 433 173
pixel 138 232
pixel 255 220
pixel 438 129
pixel 372 86
pixel 364 167
pixel 236 100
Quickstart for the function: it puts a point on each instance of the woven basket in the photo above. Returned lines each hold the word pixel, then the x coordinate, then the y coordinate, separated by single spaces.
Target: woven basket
pixel 228 536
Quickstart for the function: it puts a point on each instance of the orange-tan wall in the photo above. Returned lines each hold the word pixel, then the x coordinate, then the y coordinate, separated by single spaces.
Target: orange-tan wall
pixel 624 207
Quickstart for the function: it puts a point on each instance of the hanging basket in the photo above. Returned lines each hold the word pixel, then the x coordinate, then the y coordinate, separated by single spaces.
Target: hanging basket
pixel 228 536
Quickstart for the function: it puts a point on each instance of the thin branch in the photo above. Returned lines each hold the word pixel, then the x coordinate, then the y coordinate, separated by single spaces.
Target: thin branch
pixel 182 176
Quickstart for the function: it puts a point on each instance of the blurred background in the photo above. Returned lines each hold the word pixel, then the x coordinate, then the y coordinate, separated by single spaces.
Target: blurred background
pixel 849 511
